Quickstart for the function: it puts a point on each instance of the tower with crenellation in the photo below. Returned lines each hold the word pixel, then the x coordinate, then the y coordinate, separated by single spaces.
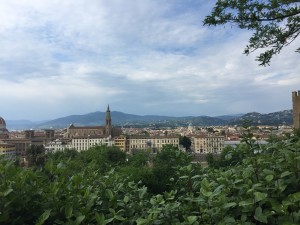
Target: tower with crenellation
pixel 296 109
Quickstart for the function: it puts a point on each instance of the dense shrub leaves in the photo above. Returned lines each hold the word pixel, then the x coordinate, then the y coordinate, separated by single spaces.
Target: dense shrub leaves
pixel 100 186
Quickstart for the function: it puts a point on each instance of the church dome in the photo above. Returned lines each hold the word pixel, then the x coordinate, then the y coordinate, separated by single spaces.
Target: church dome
pixel 2 123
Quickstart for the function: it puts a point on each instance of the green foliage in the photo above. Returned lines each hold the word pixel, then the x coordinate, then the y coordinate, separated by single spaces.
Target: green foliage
pixel 171 156
pixel 211 161
pixel 210 130
pixel 262 187
pixel 165 165
pixel 139 159
pixel 35 155
pixel 275 23
pixel 230 156
pixel 64 154
pixel 156 173
pixel 185 142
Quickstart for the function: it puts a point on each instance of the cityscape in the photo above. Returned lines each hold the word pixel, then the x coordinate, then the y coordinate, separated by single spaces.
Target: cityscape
pixel 204 140
pixel 149 112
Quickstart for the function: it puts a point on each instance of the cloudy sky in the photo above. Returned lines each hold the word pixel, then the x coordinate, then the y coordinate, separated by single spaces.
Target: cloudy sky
pixel 63 57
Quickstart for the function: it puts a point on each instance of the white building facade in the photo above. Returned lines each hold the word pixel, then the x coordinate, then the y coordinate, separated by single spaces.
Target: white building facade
pixel 58 145
pixel 84 143
pixel 78 143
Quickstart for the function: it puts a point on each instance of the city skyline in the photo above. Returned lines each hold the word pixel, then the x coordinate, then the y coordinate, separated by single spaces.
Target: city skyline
pixel 61 58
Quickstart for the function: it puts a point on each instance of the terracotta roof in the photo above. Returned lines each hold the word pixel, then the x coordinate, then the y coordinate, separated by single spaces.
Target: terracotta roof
pixel 88 127
pixel 90 137
pixel 151 137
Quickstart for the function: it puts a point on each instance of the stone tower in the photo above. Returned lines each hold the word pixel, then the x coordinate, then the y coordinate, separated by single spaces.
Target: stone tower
pixel 296 109
pixel 108 122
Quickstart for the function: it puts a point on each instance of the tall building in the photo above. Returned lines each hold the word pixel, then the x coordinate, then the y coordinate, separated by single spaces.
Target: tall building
pixel 296 109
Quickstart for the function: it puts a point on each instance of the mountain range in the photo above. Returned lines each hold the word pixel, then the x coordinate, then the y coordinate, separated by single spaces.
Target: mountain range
pixel 155 121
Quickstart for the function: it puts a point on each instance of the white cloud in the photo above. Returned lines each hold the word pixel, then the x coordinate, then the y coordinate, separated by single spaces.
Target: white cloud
pixel 142 56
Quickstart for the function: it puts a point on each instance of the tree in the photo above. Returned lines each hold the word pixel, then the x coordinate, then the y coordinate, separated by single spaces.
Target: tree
pixel 210 130
pixel 139 158
pixel 185 142
pixel 35 155
pixel 275 23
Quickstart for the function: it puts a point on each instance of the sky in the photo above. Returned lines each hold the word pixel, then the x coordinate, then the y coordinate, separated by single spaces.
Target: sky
pixel 144 57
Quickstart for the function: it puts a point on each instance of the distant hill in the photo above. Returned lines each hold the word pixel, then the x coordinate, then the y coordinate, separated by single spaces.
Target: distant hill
pixel 21 124
pixel 155 121
pixel 284 117
pixel 229 117
pixel 98 118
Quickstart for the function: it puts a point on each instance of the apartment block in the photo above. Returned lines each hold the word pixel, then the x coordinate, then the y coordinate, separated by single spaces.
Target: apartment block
pixel 207 144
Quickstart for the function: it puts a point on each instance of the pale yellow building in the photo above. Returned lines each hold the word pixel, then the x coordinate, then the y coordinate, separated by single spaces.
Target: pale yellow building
pixel 153 143
pixel 121 143
pixel 7 149
pixel 207 144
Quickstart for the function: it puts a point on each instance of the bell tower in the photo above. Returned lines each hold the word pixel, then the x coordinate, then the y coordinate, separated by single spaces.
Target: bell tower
pixel 108 122
pixel 296 109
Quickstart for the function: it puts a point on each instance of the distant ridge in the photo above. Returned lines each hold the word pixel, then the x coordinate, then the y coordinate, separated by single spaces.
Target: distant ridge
pixel 284 117
pixel 130 120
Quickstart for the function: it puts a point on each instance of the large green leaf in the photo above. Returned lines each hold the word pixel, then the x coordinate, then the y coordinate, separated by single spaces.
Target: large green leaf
pixel 100 219
pixel 43 217
pixel 68 211
pixel 259 216
pixel 229 205
pixel 259 196
pixel 79 219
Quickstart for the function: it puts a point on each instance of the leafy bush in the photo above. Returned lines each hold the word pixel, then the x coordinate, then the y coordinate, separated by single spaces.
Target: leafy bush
pixel 261 188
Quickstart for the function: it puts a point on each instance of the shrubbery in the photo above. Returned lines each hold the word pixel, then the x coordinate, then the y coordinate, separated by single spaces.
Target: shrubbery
pixel 254 185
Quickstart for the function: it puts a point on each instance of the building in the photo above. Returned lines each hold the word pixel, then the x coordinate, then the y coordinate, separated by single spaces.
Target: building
pixel 207 144
pixel 21 145
pixel 296 109
pixel 153 143
pixel 84 143
pixel 29 137
pixel 122 143
pixel 84 137
pixel 78 143
pixel 58 145
pixel 8 150
pixel 3 131
pixel 85 131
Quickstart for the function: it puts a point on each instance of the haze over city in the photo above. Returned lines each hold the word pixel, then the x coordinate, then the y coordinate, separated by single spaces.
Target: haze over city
pixel 142 56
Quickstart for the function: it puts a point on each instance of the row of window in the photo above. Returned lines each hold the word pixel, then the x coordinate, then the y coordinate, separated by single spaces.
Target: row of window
pixel 8 151
pixel 154 140
pixel 90 140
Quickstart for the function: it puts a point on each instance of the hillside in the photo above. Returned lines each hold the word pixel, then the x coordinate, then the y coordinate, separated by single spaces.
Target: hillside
pixel 155 121
pixel 276 118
